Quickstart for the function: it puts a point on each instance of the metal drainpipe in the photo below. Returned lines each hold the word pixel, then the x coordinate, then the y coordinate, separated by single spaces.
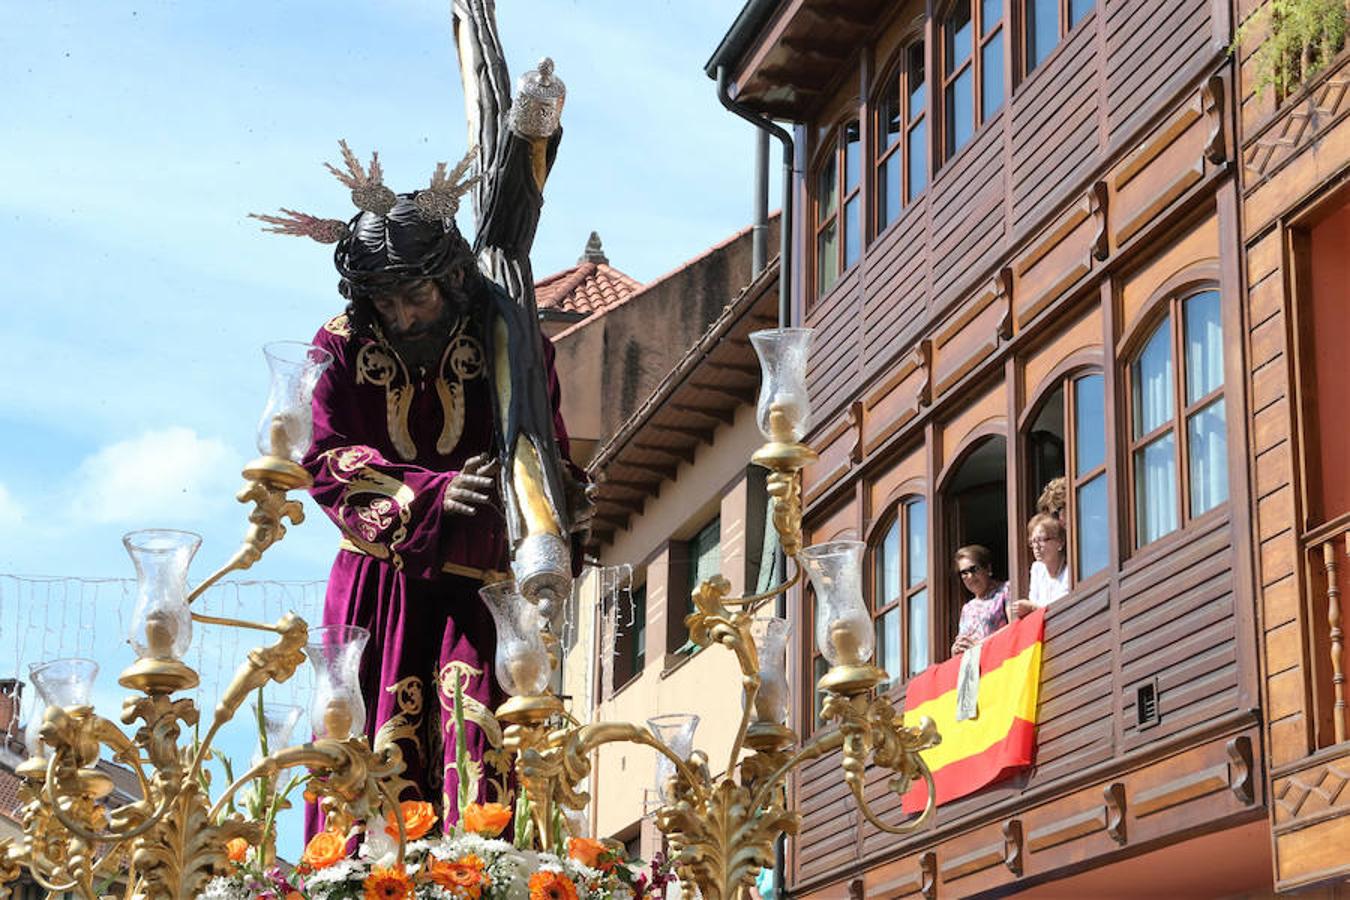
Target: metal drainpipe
pixel 785 220
pixel 760 233
pixel 767 127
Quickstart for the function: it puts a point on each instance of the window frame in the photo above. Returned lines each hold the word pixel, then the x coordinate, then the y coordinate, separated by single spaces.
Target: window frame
pixel 898 75
pixel 897 516
pixel 1065 27
pixel 975 61
pixel 1064 377
pixel 1167 307
pixel 834 149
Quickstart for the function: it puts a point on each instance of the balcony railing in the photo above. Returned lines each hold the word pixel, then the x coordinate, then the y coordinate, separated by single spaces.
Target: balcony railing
pixel 1325 549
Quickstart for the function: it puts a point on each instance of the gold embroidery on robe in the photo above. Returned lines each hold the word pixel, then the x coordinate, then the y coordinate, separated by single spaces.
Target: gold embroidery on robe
pixel 338 325
pixel 463 357
pixel 389 500
pixel 405 725
pixel 480 715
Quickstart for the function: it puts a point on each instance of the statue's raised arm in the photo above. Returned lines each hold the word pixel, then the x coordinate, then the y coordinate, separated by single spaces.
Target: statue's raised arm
pixel 517 138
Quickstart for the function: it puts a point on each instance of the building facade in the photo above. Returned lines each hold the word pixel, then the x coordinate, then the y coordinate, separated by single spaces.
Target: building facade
pixel 1067 239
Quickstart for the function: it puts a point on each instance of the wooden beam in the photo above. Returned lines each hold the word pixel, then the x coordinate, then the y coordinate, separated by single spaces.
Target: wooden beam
pixel 721 415
pixel 682 453
pixel 703 435
pixel 633 506
pixel 734 366
pixel 740 395
pixel 645 487
pixel 665 473
pixel 619 521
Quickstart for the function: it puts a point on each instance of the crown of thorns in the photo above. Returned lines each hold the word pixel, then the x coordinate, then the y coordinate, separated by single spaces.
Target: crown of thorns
pixel 437 203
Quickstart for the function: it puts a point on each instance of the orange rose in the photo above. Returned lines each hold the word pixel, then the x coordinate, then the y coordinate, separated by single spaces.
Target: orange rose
pixel 323 850
pixel 586 851
pixel 550 886
pixel 388 884
pixel 295 895
pixel 465 876
pixel 487 819
pixel 236 849
pixel 418 817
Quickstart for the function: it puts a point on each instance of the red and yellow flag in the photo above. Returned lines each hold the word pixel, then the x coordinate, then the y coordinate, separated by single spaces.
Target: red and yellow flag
pixel 1002 736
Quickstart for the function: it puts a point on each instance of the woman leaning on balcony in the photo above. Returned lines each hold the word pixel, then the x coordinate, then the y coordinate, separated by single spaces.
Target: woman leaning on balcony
pixel 1050 571
pixel 987 610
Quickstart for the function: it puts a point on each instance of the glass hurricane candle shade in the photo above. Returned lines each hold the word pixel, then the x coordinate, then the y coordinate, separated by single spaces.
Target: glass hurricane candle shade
pixel 843 628
pixel 161 625
pixel 522 661
pixel 337 710
pixel 784 408
pixel 278 722
pixel 676 731
pixel 287 424
pixel 770 634
pixel 60 682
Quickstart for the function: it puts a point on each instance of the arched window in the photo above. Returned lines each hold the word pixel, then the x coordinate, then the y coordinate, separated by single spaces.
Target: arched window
pixel 972 69
pixel 901 154
pixel 1178 437
pixel 838 234
pixel 1045 23
pixel 900 592
pixel 1067 438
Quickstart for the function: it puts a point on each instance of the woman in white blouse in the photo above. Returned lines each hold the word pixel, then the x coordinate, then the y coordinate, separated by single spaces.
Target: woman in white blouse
pixel 1050 571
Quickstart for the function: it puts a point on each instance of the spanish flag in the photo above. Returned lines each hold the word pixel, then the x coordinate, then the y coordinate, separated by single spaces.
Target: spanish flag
pixel 1001 737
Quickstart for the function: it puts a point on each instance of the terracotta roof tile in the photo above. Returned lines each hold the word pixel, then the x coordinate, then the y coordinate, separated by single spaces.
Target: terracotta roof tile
pixel 586 288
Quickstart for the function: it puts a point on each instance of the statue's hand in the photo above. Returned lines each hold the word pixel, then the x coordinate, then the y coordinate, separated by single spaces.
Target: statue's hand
pixel 472 487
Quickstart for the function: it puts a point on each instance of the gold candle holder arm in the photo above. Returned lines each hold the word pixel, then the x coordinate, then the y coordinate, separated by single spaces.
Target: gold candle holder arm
pixel 268 481
pixel 264 664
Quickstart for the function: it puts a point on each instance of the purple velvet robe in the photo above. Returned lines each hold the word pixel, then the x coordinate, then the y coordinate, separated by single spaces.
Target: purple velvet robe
pixel 384 451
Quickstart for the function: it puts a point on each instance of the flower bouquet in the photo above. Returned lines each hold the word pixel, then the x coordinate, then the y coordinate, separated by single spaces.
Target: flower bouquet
pixel 470 863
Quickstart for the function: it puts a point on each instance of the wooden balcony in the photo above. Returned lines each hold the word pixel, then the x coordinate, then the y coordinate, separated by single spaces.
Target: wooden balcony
pixel 1311 805
pixel 1146 733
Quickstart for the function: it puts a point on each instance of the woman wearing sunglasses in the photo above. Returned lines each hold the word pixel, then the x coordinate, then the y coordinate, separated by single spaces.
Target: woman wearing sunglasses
pixel 986 611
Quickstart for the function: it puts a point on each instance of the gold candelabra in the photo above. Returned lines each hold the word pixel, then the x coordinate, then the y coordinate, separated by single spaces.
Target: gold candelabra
pixel 174 838
pixel 721 829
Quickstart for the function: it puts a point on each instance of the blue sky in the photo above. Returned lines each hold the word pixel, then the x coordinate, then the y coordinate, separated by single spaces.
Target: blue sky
pixel 136 293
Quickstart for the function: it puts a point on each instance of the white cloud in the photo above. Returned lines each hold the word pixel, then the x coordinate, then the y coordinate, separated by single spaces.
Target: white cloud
pixel 11 510
pixel 168 474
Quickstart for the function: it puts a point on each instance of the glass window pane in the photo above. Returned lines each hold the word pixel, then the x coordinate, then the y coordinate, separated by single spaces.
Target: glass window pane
pixel 1092 531
pixel 888 190
pixel 888 567
pixel 852 156
pixel 1042 30
pixel 852 230
pixel 827 258
pixel 991 12
pixel 1151 375
pixel 1155 489
pixel 918 88
pixel 705 553
pixel 960 111
pixel 1089 423
pixel 1204 345
pixel 1207 452
pixel 991 77
pixel 918 159
pixel 888 645
pixel 888 117
pixel 1078 10
pixel 918 632
pixel 958 36
pixel 826 184
pixel 916 547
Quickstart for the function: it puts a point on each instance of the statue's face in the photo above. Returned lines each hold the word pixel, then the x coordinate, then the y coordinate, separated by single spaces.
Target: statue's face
pixel 411 313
